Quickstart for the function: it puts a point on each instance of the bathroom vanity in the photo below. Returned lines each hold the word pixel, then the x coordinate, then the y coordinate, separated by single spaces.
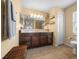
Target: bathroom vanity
pixel 35 39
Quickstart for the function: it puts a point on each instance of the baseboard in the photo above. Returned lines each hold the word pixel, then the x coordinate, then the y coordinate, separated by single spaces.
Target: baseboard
pixel 68 45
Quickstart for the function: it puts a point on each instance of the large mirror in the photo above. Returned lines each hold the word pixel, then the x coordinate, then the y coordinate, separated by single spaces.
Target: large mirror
pixel 30 22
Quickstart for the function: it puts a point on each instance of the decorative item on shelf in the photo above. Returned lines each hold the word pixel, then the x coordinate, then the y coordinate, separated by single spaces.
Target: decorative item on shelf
pixel 13 12
pixel 52 23
pixel 52 17
pixel 46 23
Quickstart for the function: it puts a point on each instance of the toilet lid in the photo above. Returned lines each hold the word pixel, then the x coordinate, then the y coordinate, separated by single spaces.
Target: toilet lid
pixel 73 42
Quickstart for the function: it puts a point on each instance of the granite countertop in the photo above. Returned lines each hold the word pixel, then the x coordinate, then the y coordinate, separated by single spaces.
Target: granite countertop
pixel 32 30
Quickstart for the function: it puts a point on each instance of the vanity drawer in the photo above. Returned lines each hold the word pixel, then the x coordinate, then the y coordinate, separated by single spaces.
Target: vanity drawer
pixel 25 39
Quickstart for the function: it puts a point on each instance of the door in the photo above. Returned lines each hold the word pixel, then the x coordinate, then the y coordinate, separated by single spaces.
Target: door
pixel 43 40
pixel 35 41
pixel 60 28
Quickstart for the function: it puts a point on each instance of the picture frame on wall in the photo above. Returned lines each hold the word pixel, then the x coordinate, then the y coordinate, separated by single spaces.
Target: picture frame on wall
pixel 13 13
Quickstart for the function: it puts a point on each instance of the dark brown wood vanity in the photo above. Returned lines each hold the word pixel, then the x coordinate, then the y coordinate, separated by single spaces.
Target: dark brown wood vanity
pixel 35 39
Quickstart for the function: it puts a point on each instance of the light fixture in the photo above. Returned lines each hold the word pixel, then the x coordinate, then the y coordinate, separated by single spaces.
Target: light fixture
pixel 36 17
pixel 31 15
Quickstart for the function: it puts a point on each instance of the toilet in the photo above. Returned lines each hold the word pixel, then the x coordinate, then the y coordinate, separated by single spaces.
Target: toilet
pixel 74 46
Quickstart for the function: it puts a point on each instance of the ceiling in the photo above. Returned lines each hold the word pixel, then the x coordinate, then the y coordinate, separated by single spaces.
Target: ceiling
pixel 44 5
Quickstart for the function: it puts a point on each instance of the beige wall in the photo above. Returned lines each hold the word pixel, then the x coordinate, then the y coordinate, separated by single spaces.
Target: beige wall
pixel 29 11
pixel 8 44
pixel 69 21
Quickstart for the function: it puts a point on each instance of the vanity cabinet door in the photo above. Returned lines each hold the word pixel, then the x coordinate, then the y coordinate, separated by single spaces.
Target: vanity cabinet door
pixel 25 41
pixel 43 40
pixel 35 41
pixel 28 41
pixel 50 38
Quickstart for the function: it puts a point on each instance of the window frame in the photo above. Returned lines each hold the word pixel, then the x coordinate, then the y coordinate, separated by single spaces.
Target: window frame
pixel 75 22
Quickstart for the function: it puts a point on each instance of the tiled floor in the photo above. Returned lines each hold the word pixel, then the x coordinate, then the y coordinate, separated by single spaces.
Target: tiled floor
pixel 49 52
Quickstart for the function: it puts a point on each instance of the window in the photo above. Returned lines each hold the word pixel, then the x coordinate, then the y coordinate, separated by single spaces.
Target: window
pixel 75 22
